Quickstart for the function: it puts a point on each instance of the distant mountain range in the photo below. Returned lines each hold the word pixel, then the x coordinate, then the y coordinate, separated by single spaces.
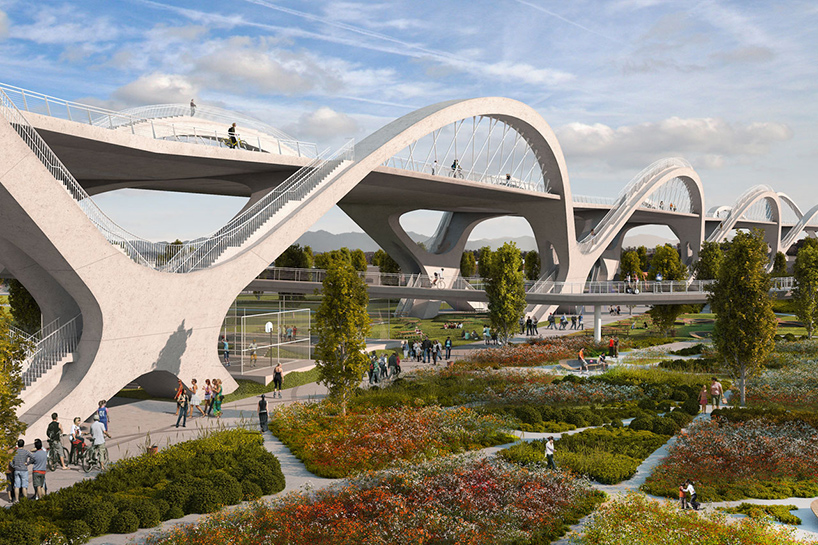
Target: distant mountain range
pixel 324 241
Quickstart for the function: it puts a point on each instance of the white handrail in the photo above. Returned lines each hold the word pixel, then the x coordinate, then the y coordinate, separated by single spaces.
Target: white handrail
pixel 50 349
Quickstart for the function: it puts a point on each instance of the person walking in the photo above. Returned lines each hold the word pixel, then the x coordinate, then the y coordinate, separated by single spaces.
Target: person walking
pixel 38 468
pixel 448 346
pixel 528 328
pixel 253 352
pixel 716 392
pixel 180 389
pixel 549 453
pixel 208 391
pixel 19 463
pixel 231 132
pixel 183 403
pixel 226 349
pixel 217 405
pixel 534 322
pixel 192 108
pixel 703 399
pixel 195 400
pixel 102 411
pixel 262 413
pixel 278 379
pixel 693 501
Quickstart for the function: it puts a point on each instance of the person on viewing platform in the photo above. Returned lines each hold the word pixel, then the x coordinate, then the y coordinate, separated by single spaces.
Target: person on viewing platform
pixel 716 392
pixel 192 108
pixel 232 133
pixel 456 170
pixel 703 399
pixel 434 168
pixel 54 433
pixel 549 453
pixel 38 469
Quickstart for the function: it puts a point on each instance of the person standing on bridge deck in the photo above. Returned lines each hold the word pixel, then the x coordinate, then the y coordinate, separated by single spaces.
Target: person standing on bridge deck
pixel 434 168
pixel 192 108
pixel 232 133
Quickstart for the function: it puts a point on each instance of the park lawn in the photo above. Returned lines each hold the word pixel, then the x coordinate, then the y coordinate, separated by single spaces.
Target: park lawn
pixel 432 328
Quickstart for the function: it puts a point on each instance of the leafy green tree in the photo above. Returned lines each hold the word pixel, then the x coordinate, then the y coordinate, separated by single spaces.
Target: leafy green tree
pixel 805 293
pixel 12 353
pixel 664 316
pixel 24 309
pixel 532 265
pixel 666 262
pixel 358 259
pixel 467 264
pixel 484 256
pixel 323 260
pixel 505 290
pixel 310 256
pixel 629 264
pixel 740 297
pixel 711 256
pixel 385 263
pixel 294 257
pixel 779 265
pixel 171 250
pixel 644 262
pixel 342 323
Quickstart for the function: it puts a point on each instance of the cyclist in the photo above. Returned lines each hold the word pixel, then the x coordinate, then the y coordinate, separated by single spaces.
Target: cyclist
pixel 54 433
pixel 232 133
pixel 98 433
pixel 456 170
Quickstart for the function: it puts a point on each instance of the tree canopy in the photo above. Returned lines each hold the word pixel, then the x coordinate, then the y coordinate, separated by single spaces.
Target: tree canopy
pixel 644 261
pixel 805 293
pixel 740 297
pixel 780 265
pixel 532 265
pixel 358 258
pixel 711 256
pixel 505 290
pixel 295 257
pixel 385 263
pixel 484 256
pixel 12 353
pixel 24 309
pixel 468 264
pixel 629 264
pixel 666 262
pixel 342 324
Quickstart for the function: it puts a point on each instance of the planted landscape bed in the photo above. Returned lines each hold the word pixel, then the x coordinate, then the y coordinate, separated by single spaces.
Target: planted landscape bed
pixel 608 456
pixel 334 445
pixel 458 500
pixel 634 519
pixel 198 476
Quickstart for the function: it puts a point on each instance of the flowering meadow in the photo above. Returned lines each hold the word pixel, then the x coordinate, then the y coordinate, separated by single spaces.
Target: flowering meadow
pixel 791 386
pixel 737 460
pixel 541 352
pixel 561 393
pixel 634 519
pixel 335 445
pixel 458 500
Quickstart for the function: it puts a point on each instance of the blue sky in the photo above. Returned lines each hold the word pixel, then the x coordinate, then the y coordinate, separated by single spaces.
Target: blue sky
pixel 731 86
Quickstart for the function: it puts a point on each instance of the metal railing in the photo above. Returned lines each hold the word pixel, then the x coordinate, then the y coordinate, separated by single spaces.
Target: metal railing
pixel 51 349
pixel 463 174
pixel 631 191
pixel 202 253
pixel 140 121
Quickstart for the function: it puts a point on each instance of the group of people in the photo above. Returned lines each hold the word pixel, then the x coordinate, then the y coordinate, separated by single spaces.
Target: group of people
pixel 576 322
pixel 528 326
pixel 716 392
pixel 383 368
pixel 18 467
pixel 188 398
pixel 427 350
pixel 615 310
pixel 687 496
pixel 453 325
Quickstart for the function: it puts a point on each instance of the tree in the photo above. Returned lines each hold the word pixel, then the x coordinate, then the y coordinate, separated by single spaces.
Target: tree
pixel 664 316
pixel 342 323
pixel 532 265
pixel 323 260
pixel 505 290
pixel 13 349
pixel 805 293
pixel 779 265
pixel 711 256
pixel 358 259
pixel 666 262
pixel 467 264
pixel 740 297
pixel 294 257
pixel 630 265
pixel 484 255
pixel 642 252
pixel 385 263
pixel 24 309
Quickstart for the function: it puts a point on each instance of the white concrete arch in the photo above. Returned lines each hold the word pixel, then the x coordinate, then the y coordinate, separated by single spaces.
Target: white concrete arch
pixel 719 210
pixel 786 199
pixel 789 239
pixel 750 197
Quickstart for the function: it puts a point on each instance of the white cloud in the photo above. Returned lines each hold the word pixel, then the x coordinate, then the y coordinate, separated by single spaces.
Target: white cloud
pixel 66 26
pixel 157 88
pixel 708 142
pixel 4 24
pixel 325 124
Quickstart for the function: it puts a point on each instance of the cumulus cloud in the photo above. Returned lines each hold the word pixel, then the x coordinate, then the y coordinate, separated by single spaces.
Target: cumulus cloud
pixel 708 142
pixel 66 26
pixel 324 124
pixel 157 88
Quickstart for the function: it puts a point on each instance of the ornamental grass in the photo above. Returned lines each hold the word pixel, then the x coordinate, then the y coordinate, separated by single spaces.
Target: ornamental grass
pixel 462 500
pixel 334 445
pixel 737 460
pixel 634 519
pixel 791 386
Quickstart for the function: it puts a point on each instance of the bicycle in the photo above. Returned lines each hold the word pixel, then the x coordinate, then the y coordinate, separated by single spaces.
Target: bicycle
pixel 439 284
pixel 90 459
pixel 53 460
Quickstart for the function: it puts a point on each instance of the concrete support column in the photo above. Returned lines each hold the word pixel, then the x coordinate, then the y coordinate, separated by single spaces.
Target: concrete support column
pixel 598 323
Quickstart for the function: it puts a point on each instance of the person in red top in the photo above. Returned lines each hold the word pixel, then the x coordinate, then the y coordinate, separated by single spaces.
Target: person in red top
pixel 611 348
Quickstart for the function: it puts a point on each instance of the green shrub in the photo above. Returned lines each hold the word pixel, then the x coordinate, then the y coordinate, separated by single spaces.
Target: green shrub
pixel 665 426
pixel 98 517
pixel 250 490
pixel 679 395
pixel 146 511
pixel 176 495
pixel 523 453
pixel 641 423
pixel 77 531
pixel 691 406
pixel 228 487
pixel 603 467
pixel 681 417
pixel 175 512
pixel 19 532
pixel 124 522
pixel 646 404
pixel 780 513
pixel 204 499
pixel 689 351
pixel 163 507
